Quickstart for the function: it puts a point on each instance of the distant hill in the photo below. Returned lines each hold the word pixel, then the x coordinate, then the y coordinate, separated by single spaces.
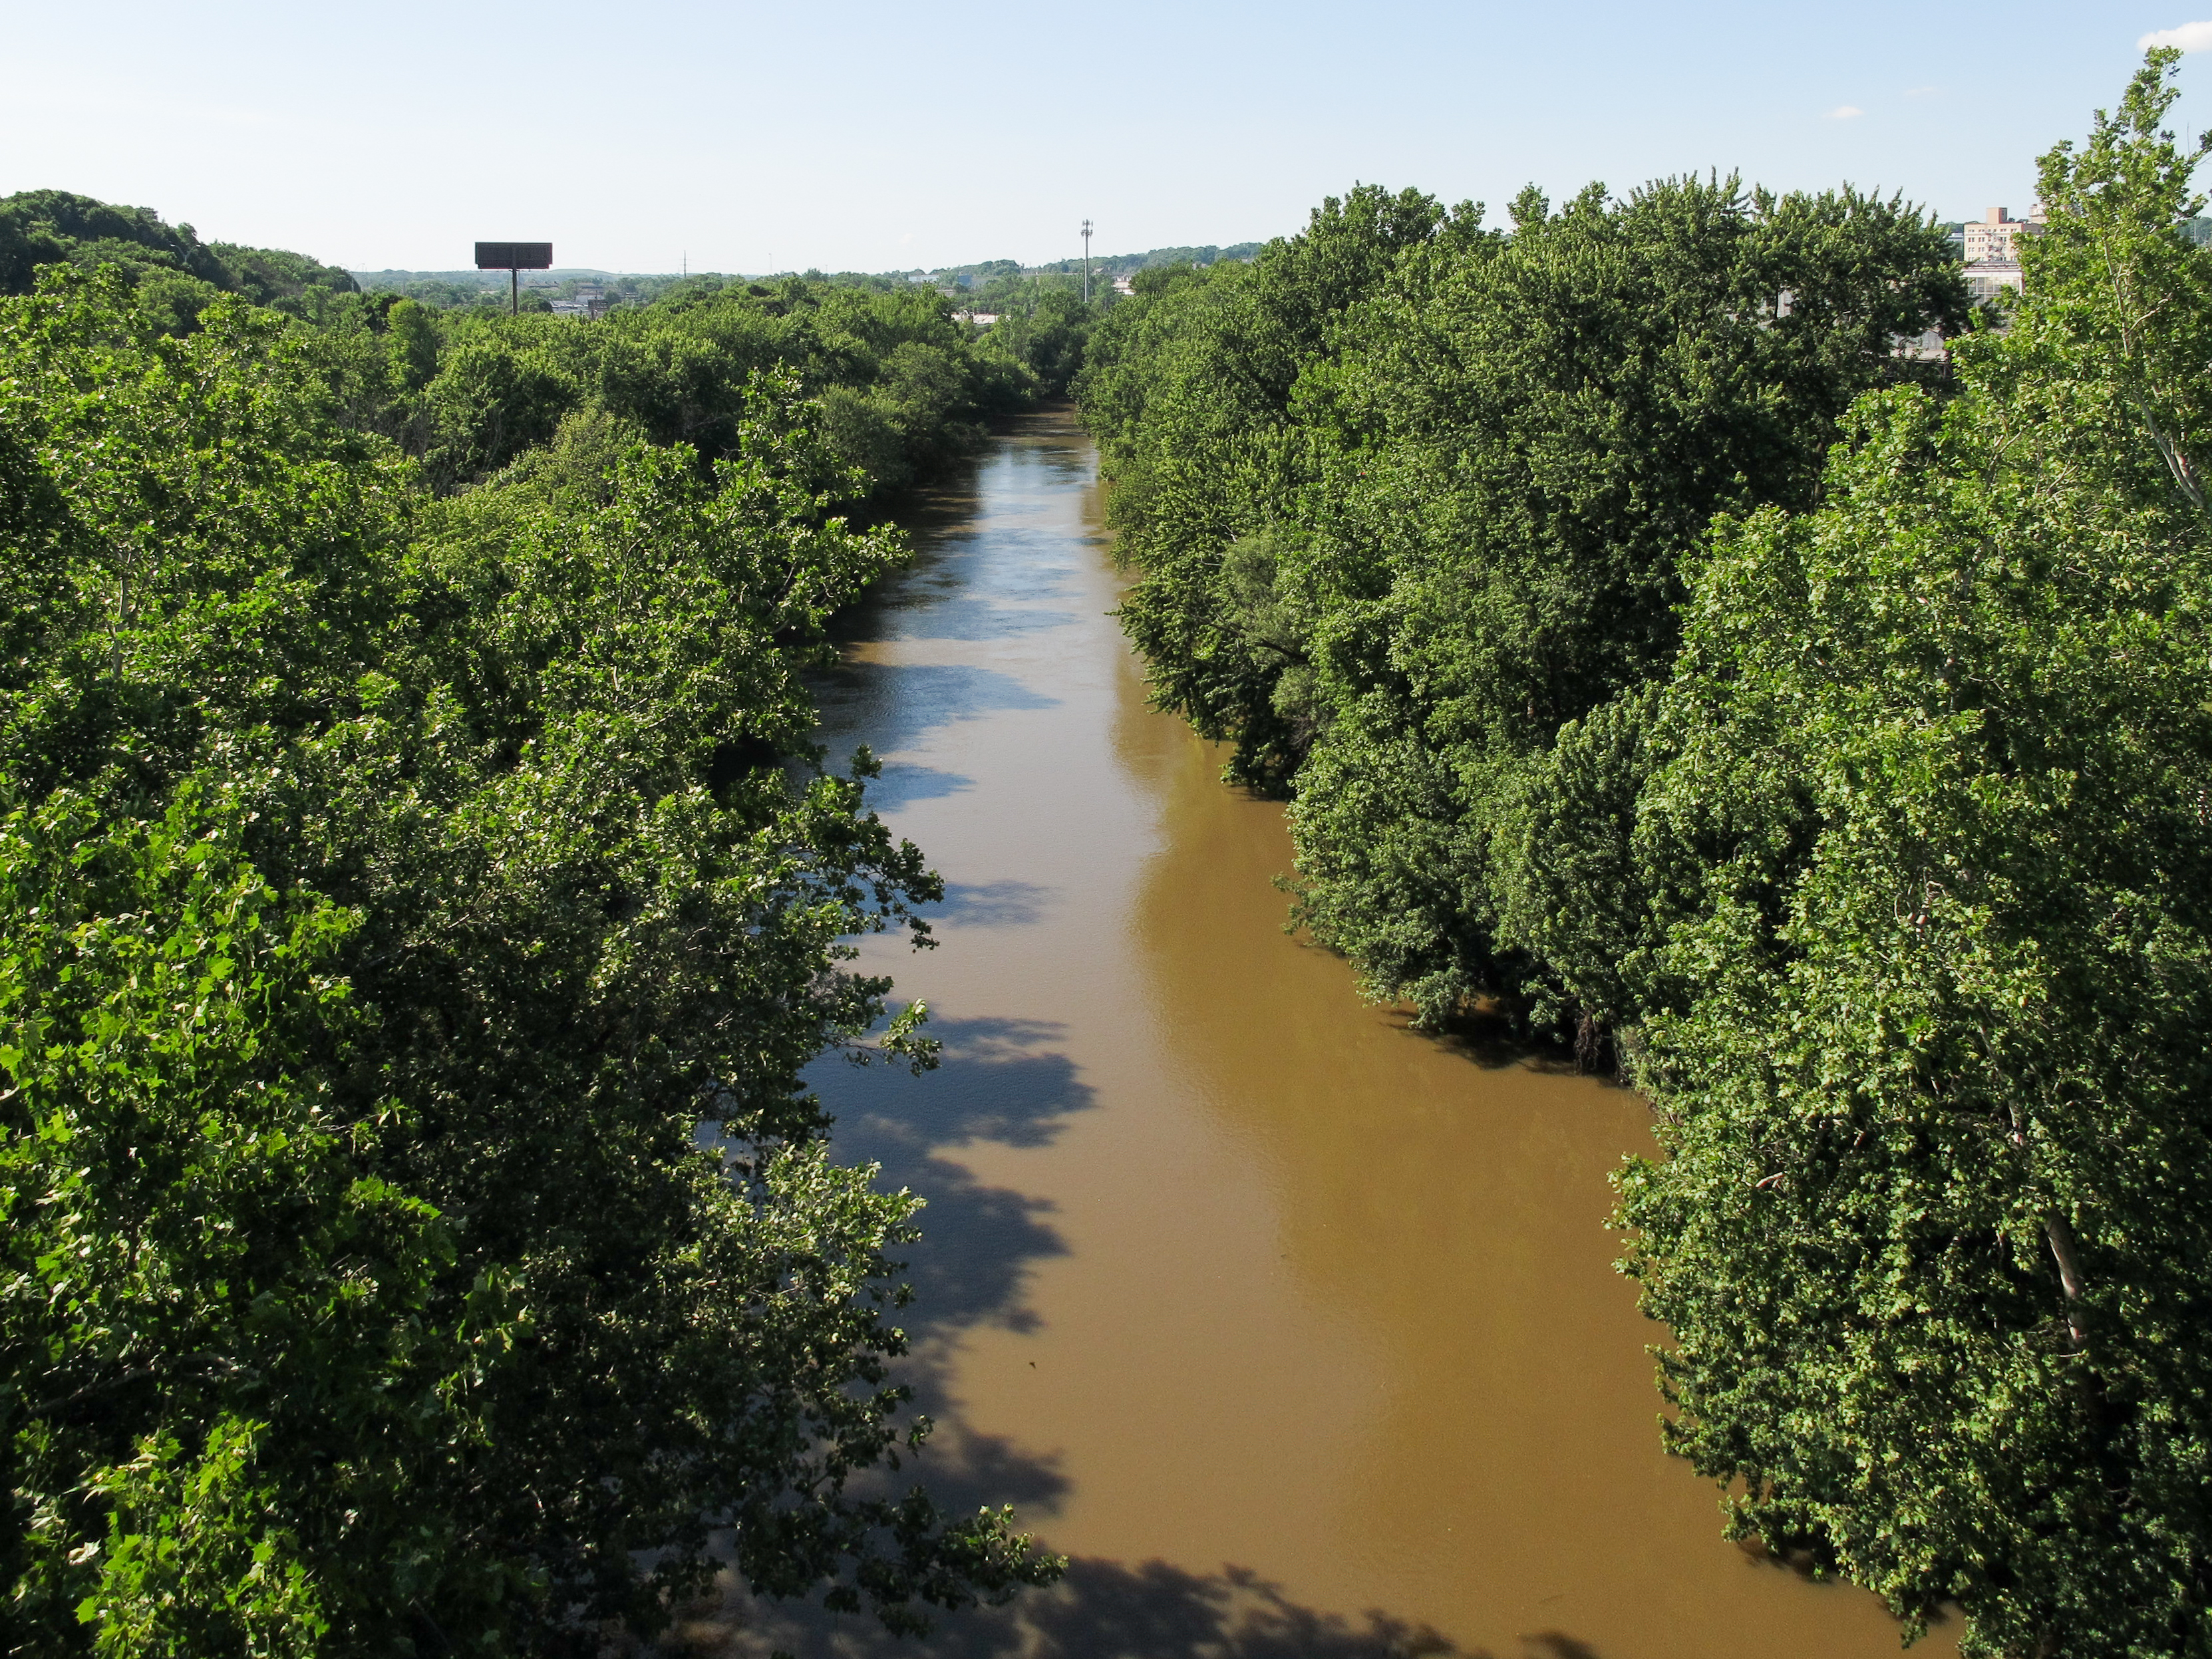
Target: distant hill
pixel 1109 264
pixel 1123 264
pixel 58 227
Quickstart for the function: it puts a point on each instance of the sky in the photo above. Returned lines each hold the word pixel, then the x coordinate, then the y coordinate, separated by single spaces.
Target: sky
pixel 863 136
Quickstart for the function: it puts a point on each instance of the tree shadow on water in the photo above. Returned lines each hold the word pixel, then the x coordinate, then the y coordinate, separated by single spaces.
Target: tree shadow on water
pixel 1002 1081
pixel 1494 1035
pixel 893 707
pixel 991 903
pixel 902 783
pixel 1009 1083
pixel 1102 1610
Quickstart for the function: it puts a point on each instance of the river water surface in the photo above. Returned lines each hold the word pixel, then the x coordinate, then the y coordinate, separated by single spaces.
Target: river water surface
pixel 1296 1329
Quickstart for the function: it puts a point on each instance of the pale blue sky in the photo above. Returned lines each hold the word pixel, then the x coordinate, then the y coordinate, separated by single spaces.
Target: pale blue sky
pixel 873 136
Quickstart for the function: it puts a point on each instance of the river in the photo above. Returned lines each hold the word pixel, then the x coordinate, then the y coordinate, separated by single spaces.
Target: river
pixel 1296 1330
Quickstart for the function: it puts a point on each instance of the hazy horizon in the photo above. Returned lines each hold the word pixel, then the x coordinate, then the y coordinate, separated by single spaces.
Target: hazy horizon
pixel 745 138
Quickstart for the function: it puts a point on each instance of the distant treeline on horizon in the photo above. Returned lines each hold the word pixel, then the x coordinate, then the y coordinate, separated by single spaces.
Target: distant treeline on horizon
pixel 1111 264
pixel 47 227
pixel 459 287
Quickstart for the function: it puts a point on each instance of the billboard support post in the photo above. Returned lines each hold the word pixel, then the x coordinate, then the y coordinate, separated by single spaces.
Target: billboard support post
pixel 514 258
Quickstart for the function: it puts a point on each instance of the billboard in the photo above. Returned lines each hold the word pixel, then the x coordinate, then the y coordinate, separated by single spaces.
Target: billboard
pixel 514 256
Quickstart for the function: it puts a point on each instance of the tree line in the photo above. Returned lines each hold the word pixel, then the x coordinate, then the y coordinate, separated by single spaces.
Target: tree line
pixel 904 384
pixel 420 890
pixel 173 273
pixel 899 386
pixel 1656 652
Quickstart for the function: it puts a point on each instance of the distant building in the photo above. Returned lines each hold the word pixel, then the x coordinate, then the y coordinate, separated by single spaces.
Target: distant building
pixel 1992 245
pixel 980 318
pixel 1123 285
pixel 1926 347
pixel 1997 236
pixel 589 301
pixel 1987 278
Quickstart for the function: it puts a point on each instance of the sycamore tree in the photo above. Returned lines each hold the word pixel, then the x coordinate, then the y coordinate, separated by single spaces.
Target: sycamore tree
pixel 1930 835
pixel 1407 496
pixel 1519 438
pixel 414 915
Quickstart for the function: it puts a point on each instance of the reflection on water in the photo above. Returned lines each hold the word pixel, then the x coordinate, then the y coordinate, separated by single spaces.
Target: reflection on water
pixel 1296 1329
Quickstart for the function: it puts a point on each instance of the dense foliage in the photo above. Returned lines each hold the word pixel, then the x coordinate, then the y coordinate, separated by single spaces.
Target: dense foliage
pixel 418 905
pixel 1926 831
pixel 175 272
pixel 1649 640
pixel 1407 494
pixel 903 385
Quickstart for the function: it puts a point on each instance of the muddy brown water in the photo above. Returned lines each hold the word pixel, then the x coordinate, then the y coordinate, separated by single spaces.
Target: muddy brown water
pixel 1296 1330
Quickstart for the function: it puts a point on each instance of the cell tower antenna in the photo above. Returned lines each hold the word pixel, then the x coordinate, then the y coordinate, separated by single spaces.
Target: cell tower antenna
pixel 1086 262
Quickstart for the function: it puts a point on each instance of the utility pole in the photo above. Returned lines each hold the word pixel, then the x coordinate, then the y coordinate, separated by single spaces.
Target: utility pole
pixel 1086 262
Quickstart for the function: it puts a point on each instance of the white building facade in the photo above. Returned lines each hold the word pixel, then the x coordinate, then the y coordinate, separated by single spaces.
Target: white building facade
pixel 1987 278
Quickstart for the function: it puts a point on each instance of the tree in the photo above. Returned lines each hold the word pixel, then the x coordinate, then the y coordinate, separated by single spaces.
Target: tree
pixel 1407 498
pixel 1192 396
pixel 40 228
pixel 905 387
pixel 395 890
pixel 1523 447
pixel 1928 845
pixel 1046 332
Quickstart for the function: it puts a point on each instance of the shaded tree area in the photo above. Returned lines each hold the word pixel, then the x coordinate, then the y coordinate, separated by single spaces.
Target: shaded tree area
pixel 1655 647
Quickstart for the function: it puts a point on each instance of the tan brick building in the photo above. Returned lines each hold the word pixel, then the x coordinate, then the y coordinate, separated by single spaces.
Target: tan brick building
pixel 1997 234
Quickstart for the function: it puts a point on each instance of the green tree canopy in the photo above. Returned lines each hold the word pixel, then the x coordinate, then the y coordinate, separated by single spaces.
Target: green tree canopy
pixel 178 272
pixel 417 911
pixel 903 387
pixel 1926 845
pixel 1406 495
